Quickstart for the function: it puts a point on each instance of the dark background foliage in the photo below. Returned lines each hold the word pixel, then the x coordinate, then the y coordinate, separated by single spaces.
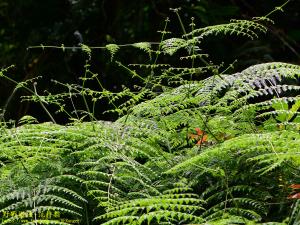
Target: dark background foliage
pixel 100 22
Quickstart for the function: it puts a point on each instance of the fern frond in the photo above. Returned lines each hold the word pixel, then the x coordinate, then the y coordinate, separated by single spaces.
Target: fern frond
pixel 113 49
pixel 238 27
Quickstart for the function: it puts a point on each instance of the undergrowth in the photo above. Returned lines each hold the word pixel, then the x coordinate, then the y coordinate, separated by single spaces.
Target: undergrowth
pixel 192 145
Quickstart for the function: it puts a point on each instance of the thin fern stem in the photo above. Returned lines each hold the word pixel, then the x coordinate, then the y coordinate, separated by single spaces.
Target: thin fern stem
pixel 6 104
pixel 163 33
pixel 42 104
pixel 74 47
pixel 110 183
pixel 83 92
pixel 72 103
pixel 176 10
pixel 133 73
pixel 278 8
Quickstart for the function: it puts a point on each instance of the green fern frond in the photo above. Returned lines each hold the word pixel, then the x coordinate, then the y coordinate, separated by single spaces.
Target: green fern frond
pixel 172 45
pixel 86 49
pixel 237 27
pixel 144 46
pixel 159 208
pixel 113 49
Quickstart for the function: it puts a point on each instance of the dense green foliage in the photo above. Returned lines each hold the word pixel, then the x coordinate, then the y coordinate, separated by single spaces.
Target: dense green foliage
pixel 102 22
pixel 193 144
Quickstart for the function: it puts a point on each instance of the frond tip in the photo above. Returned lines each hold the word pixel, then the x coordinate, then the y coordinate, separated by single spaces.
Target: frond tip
pixel 113 49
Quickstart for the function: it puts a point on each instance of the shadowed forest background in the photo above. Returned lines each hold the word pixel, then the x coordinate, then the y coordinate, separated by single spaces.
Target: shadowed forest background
pixel 101 22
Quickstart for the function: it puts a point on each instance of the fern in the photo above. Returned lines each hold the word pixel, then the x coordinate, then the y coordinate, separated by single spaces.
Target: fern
pixel 238 27
pixel 32 203
pixel 113 49
pixel 163 208
pixel 144 46
pixel 149 166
